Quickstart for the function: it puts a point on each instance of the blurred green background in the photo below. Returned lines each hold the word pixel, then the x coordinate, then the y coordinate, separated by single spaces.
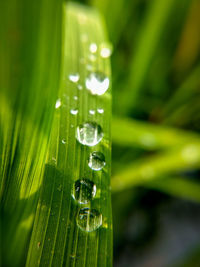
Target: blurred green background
pixel 156 120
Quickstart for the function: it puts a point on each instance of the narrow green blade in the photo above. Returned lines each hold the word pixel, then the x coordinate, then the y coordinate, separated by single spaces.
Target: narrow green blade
pixel 73 220
pixel 30 52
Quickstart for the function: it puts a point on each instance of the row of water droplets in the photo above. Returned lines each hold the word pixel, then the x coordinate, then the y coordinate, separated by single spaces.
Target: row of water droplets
pixel 89 134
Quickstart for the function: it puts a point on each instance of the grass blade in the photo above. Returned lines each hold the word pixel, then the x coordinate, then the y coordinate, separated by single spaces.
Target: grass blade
pixel 183 158
pixel 57 240
pixel 29 78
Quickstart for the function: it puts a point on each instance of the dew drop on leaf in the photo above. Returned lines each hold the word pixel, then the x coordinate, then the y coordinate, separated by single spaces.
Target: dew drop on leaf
pixel 74 111
pixel 89 219
pixel 100 110
pixel 97 83
pixel 96 161
pixel 83 191
pixel 58 103
pixel 89 133
pixel 74 77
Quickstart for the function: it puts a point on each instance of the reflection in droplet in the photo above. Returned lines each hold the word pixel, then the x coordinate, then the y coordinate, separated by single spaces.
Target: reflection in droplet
pixel 89 219
pixel 74 77
pixel 89 133
pixel 74 111
pixel 58 103
pixel 97 83
pixel 84 190
pixel 96 161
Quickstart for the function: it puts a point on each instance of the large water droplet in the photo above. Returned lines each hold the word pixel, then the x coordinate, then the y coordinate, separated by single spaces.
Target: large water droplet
pixel 58 103
pixel 89 219
pixel 89 133
pixel 97 83
pixel 74 77
pixel 96 161
pixel 84 190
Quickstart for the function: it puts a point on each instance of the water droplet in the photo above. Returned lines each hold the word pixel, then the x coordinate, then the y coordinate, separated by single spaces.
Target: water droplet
pixel 63 141
pixel 89 219
pixel 97 83
pixel 74 111
pixel 96 161
pixel 58 103
pixel 74 77
pixel 84 190
pixel 93 48
pixel 80 87
pixel 92 112
pixel 89 133
pixel 106 50
pixel 75 97
pixel 100 110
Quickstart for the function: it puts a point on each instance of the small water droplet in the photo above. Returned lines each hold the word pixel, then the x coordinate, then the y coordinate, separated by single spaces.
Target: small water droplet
pixel 58 103
pixel 100 110
pixel 89 133
pixel 106 50
pixel 74 111
pixel 84 190
pixel 96 161
pixel 92 112
pixel 92 58
pixel 97 83
pixel 80 87
pixel 63 141
pixel 93 48
pixel 74 77
pixel 75 97
pixel 89 67
pixel 89 219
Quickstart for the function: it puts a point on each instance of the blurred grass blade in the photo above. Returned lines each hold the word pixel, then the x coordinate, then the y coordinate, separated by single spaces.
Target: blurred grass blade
pixel 151 33
pixel 178 187
pixel 30 52
pixel 149 136
pixel 77 231
pixel 183 158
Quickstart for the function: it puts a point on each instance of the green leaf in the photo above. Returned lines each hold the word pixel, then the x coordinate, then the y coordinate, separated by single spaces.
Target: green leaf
pixel 30 53
pixel 60 237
